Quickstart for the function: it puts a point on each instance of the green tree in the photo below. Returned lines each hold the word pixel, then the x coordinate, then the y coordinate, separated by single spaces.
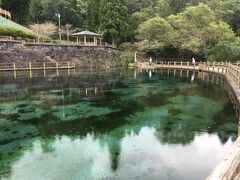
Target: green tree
pixel 135 20
pixel 191 26
pixel 36 9
pixel 92 20
pixel 229 11
pixel 219 31
pixel 72 11
pixel 20 10
pixel 225 51
pixel 155 33
pixel 192 30
pixel 113 18
pixel 163 8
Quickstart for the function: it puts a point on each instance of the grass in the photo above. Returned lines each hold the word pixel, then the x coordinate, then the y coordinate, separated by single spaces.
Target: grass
pixel 10 28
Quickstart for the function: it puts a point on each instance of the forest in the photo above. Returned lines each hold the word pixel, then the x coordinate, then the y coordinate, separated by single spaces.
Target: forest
pixel 207 29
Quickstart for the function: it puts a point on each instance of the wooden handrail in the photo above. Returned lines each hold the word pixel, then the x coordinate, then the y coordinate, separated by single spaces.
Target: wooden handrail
pixel 36 66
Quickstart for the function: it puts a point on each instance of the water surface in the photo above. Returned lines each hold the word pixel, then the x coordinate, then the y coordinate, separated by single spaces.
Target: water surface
pixel 114 124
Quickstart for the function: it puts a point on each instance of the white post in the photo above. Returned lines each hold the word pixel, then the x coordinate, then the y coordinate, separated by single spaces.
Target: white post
pixel 95 41
pixel 59 26
pixel 85 40
pixel 14 72
pixel 135 58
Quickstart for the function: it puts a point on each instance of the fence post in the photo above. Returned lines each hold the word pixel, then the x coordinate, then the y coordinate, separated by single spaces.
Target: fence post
pixel 30 69
pixel 14 66
pixel 44 65
pixel 57 68
pixel 14 71
pixel 174 63
pixel 188 63
pixel 30 66
pixel 181 63
pixel 68 65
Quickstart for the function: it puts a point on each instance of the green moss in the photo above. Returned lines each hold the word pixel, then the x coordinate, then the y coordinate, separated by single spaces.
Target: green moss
pixel 79 111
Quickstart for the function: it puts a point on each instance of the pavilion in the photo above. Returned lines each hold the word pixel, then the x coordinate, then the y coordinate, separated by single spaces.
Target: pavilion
pixel 87 38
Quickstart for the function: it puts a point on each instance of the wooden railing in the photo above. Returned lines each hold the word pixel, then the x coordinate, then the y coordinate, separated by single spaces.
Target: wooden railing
pixel 7 38
pixel 232 70
pixel 36 66
pixel 229 167
pixel 57 42
pixel 5 13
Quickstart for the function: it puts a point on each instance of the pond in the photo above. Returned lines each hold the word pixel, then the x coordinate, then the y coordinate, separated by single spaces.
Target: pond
pixel 113 124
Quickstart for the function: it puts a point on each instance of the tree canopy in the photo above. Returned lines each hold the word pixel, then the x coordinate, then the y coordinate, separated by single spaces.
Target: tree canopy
pixel 195 26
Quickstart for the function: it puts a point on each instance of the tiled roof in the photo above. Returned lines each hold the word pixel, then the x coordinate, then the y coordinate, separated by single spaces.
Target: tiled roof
pixel 86 33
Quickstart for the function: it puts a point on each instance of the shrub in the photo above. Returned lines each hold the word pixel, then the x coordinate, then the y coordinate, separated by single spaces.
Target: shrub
pixel 128 57
pixel 19 38
pixel 128 46
pixel 224 51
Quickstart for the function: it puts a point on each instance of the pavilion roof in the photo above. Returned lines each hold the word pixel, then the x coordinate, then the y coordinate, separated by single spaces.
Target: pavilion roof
pixel 82 33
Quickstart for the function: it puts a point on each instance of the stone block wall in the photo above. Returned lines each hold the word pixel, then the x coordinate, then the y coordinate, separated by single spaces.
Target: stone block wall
pixel 85 56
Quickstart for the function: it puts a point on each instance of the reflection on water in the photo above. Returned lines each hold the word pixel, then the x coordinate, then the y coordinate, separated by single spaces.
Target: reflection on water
pixel 116 124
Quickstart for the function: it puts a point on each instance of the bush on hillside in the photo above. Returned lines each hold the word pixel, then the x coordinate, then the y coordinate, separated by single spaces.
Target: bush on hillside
pixel 10 28
pixel 224 51
pixel 128 46
pixel 15 32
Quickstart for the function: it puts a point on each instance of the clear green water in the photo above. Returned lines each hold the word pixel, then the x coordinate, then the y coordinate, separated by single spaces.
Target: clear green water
pixel 115 124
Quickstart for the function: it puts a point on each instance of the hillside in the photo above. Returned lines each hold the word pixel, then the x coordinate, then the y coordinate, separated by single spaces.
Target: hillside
pixel 10 28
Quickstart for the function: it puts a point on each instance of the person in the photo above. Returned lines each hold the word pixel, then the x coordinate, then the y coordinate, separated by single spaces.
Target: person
pixel 150 61
pixel 193 62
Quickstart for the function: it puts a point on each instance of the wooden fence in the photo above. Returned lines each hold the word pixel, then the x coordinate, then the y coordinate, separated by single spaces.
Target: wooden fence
pixel 36 66
pixel 229 167
pixel 49 42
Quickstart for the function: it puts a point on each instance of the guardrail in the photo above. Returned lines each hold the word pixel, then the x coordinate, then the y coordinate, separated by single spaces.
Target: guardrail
pixel 10 38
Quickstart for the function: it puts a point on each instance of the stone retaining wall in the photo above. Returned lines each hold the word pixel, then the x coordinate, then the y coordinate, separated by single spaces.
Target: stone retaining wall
pixel 15 51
